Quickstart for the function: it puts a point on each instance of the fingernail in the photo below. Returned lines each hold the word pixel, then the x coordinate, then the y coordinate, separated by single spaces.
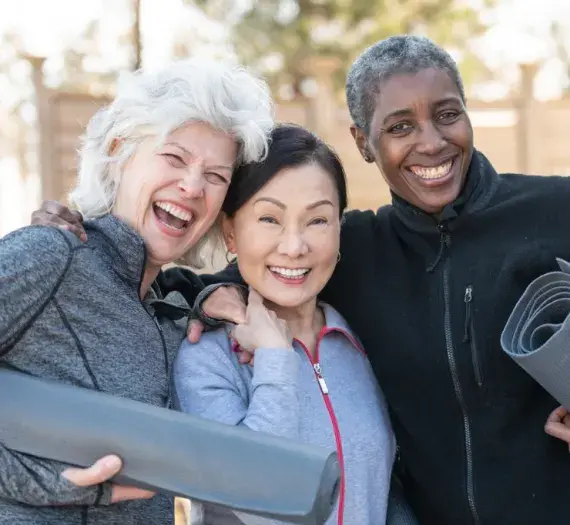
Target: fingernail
pixel 112 462
pixel 83 237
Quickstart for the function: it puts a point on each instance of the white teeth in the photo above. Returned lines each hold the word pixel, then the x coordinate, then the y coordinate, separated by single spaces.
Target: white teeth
pixel 290 273
pixel 432 173
pixel 174 210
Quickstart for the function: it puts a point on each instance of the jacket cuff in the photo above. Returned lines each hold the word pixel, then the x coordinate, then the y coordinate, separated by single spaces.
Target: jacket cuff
pixel 275 366
pixel 198 312
pixel 104 494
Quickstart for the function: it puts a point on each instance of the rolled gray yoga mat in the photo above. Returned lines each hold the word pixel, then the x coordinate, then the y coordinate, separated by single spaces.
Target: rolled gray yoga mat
pixel 169 451
pixel 537 334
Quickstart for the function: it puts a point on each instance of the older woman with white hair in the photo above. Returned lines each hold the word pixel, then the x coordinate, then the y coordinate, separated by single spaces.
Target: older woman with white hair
pixel 154 170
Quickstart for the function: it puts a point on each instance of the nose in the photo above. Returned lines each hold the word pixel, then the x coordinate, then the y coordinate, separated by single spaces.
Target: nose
pixel 293 245
pixel 193 182
pixel 431 141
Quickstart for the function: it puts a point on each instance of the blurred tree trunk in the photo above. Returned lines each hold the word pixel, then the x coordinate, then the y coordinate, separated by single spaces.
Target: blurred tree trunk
pixel 136 35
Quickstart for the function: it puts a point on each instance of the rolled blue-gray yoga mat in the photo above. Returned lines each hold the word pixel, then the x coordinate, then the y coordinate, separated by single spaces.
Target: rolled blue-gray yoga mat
pixel 169 451
pixel 537 333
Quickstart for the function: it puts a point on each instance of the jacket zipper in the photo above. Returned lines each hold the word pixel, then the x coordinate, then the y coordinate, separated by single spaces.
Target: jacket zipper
pixel 325 393
pixel 446 240
pixel 160 333
pixel 469 336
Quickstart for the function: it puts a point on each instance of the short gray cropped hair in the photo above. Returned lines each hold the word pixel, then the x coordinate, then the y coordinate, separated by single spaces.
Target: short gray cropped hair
pixel 156 103
pixel 394 55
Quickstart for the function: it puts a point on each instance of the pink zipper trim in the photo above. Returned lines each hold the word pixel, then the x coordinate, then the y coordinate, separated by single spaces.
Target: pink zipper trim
pixel 334 422
pixel 328 404
pixel 354 342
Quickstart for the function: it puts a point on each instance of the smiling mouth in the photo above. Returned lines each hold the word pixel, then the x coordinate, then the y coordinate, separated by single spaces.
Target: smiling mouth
pixel 432 172
pixel 293 275
pixel 173 217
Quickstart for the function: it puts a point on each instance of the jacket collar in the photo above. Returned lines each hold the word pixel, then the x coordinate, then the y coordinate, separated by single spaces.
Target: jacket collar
pixel 480 185
pixel 124 251
pixel 335 323
pixel 121 247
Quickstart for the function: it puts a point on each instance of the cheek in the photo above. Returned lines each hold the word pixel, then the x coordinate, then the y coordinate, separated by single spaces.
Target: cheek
pixel 253 250
pixel 326 245
pixel 214 198
pixel 463 134
pixel 252 245
pixel 392 153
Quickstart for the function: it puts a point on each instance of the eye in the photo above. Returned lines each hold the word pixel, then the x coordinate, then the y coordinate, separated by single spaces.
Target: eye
pixel 319 221
pixel 400 128
pixel 448 116
pixel 268 219
pixel 216 178
pixel 174 160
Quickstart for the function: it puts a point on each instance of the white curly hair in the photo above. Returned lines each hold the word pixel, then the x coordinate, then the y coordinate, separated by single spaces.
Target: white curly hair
pixel 156 103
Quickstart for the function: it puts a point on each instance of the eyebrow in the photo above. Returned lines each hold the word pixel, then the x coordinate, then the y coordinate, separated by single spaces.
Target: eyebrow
pixel 189 153
pixel 407 111
pixel 282 206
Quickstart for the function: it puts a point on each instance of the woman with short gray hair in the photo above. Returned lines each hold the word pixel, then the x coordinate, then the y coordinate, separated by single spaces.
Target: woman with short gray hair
pixel 155 167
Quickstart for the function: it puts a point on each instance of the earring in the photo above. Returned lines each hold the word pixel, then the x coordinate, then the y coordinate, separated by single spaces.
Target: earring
pixel 338 257
pixel 229 258
pixel 368 157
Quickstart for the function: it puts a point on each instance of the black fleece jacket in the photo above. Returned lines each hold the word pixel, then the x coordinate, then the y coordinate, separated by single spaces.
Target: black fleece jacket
pixel 429 299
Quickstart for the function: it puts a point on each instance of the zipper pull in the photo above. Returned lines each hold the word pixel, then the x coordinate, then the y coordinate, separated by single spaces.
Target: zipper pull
pixel 320 378
pixel 467 300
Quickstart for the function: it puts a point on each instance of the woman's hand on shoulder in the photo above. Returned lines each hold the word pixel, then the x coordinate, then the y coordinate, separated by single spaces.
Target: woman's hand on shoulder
pixel 227 303
pixel 558 424
pixel 52 213
pixel 262 328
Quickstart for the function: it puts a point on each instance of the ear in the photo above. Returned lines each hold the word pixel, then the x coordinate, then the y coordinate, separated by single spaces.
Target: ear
pixel 115 143
pixel 361 142
pixel 229 233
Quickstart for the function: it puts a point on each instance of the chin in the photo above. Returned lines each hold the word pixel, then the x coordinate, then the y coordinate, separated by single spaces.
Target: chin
pixel 286 300
pixel 161 255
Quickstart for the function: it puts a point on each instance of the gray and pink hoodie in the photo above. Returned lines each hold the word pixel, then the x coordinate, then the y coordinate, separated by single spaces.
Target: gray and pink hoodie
pixel 332 401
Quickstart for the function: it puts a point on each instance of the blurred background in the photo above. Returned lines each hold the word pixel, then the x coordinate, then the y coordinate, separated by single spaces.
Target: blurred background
pixel 59 61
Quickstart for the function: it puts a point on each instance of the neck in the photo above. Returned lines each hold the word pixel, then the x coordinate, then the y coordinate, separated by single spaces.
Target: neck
pixel 150 274
pixel 305 322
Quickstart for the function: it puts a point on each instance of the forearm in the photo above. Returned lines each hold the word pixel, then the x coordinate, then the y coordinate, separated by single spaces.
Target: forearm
pixel 274 404
pixel 208 382
pixel 38 482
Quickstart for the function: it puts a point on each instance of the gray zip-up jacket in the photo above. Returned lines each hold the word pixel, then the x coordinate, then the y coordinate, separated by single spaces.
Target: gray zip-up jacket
pixel 333 401
pixel 70 311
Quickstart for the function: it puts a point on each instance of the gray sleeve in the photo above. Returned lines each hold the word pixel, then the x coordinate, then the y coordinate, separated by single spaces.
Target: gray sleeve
pixel 208 383
pixel 33 261
pixel 38 482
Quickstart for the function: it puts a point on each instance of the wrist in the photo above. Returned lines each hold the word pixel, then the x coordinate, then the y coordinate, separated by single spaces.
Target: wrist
pixel 277 344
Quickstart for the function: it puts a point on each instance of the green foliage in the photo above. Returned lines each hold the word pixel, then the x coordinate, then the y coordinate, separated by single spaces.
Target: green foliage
pixel 274 36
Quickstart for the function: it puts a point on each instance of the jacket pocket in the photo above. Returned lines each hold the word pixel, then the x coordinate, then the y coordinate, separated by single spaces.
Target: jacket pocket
pixel 469 335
